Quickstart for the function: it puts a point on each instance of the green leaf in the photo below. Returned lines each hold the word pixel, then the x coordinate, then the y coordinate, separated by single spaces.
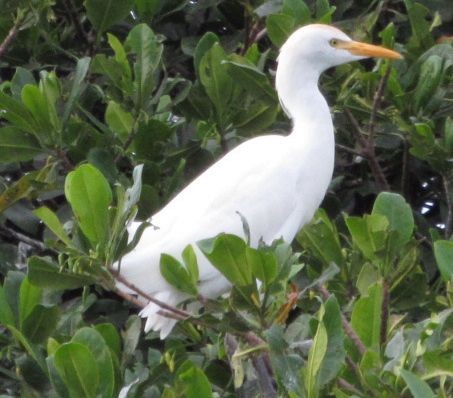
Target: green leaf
pixel 279 27
pixel 448 135
pixel 251 78
pixel 418 387
pixel 120 55
pixel 95 342
pixel 50 88
pixel 57 382
pixel 104 160
pixel 430 77
pixel 334 358
pixel 17 114
pixel 113 71
pixel 119 120
pixel 53 223
pixel 195 382
pixel 321 238
pixel 111 337
pixel 315 359
pixel 17 146
pixel 257 117
pixel 89 195
pixel 228 254
pixel 6 313
pixel 190 261
pixel 11 289
pixel 176 275
pixel 216 80
pixel 105 13
pixel 324 11
pixel 287 366
pixel 368 276
pixel 29 297
pixel 366 317
pixel 33 350
pixel 203 45
pixel 77 367
pixel 264 265
pixel 148 141
pixel 438 363
pixel 142 41
pixel 369 233
pixel 83 64
pixel 26 185
pixel 418 14
pixel 399 215
pixel 37 103
pixel 21 77
pixel 298 10
pixel 45 274
pixel 40 323
pixel 443 252
pixel 131 336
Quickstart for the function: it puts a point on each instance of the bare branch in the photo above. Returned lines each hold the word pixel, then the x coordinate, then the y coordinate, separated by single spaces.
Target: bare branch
pixel 346 326
pixel 368 152
pixel 377 100
pixel 148 297
pixel 345 385
pixel 10 37
pixel 11 233
pixel 384 312
pixel 447 181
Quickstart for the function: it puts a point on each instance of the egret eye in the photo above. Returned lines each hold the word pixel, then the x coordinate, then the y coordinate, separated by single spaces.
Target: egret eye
pixel 333 42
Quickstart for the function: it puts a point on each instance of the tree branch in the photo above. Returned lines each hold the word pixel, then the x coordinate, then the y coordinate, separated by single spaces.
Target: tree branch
pixel 346 326
pixel 10 37
pixel 11 233
pixel 384 312
pixel 368 152
pixel 447 181
pixel 345 385
pixel 377 100
pixel 181 313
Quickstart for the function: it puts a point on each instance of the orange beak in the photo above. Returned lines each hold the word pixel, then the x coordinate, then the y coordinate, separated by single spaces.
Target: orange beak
pixel 368 50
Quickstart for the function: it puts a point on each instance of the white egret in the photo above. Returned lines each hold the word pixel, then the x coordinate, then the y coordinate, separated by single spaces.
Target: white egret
pixel 275 182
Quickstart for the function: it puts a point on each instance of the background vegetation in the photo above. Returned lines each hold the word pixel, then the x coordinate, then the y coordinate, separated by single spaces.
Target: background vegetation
pixel 360 305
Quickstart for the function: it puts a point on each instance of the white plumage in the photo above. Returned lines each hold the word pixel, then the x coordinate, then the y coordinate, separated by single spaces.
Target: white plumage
pixel 275 182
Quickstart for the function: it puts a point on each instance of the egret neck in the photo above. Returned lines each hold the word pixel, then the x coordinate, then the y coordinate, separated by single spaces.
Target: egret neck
pixel 297 86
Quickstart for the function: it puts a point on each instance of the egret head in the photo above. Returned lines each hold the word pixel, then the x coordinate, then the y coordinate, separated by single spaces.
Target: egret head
pixel 324 46
pixel 308 52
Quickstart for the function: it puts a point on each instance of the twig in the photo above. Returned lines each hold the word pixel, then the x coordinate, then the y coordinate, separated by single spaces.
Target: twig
pixel 349 150
pixel 260 35
pixel 254 340
pixel 61 154
pixel 10 37
pixel 128 141
pixel 346 326
pixel 404 167
pixel 357 130
pixel 10 233
pixel 129 297
pixel 368 152
pixel 146 296
pixel 358 373
pixel 348 386
pixel 448 188
pixel 384 312
pixel 75 20
pixel 377 99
